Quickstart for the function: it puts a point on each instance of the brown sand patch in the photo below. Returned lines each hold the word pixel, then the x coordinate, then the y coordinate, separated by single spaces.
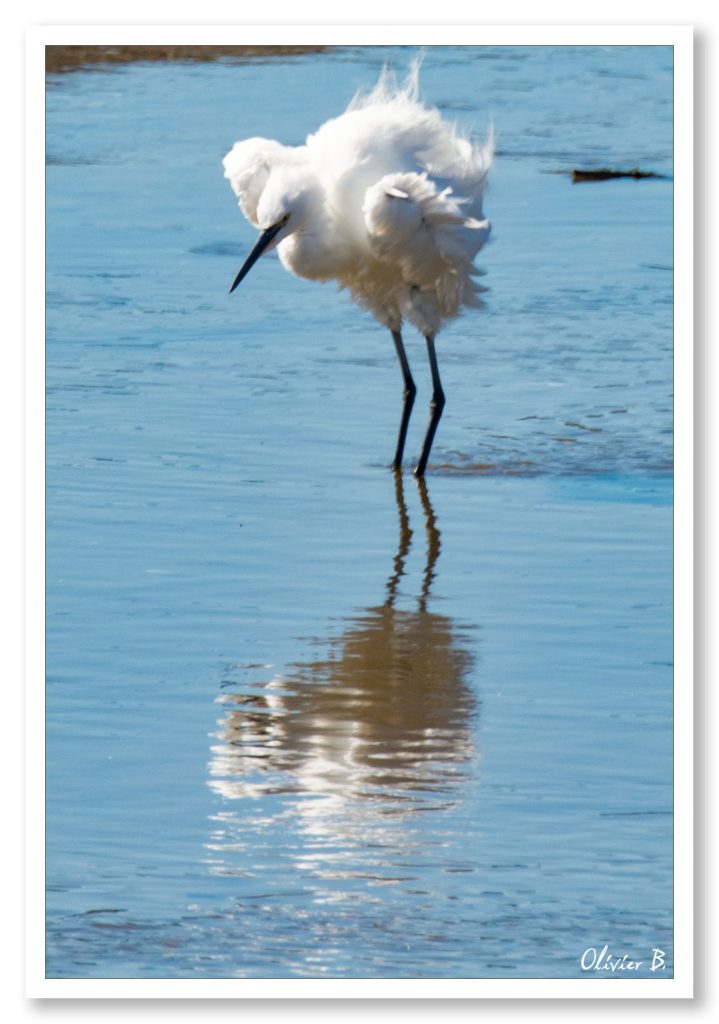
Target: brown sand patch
pixel 72 58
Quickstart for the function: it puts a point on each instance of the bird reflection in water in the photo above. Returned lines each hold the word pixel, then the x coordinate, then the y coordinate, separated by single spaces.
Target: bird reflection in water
pixel 381 717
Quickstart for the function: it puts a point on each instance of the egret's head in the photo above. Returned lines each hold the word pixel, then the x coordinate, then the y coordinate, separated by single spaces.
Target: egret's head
pixel 285 206
pixel 248 166
pixel 291 196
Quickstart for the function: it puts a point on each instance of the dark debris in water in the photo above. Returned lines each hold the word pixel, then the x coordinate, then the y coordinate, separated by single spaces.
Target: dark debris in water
pixel 607 174
pixel 581 174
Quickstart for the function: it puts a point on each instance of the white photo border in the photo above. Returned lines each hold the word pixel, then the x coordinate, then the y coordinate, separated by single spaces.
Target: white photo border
pixel 680 37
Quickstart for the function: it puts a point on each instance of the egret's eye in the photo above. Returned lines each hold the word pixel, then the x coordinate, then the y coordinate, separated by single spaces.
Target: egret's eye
pixel 282 221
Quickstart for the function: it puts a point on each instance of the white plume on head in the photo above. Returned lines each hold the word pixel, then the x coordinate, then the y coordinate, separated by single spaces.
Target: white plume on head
pixel 387 89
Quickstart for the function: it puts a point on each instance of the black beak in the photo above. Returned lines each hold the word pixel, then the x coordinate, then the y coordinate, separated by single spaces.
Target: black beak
pixel 258 248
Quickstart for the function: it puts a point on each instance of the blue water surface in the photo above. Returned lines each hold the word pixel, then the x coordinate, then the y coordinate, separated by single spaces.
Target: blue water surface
pixel 304 719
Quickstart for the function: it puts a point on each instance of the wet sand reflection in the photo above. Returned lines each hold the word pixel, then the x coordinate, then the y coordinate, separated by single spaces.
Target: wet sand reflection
pixel 383 713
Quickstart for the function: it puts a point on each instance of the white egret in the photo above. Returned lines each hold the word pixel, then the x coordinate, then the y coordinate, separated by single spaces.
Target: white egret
pixel 385 199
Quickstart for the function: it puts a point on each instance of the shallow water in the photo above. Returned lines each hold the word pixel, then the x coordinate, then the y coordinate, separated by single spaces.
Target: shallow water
pixel 304 720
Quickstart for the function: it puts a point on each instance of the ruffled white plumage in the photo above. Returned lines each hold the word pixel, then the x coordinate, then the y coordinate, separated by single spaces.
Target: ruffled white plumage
pixel 386 199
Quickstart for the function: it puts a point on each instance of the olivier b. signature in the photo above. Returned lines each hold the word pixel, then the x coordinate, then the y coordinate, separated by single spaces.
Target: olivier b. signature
pixel 594 959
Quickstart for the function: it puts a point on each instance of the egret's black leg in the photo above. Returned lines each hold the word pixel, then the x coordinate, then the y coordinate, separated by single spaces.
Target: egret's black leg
pixel 409 392
pixel 435 408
